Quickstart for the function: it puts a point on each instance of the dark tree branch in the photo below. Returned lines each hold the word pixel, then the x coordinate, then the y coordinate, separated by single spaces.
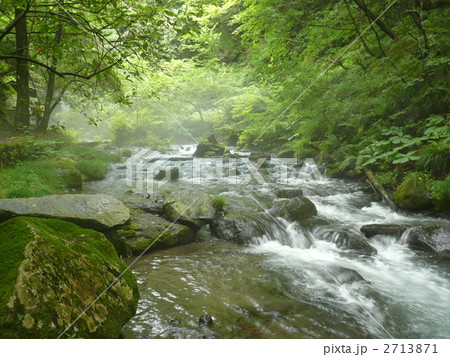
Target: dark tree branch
pixel 60 74
pixel 13 23
pixel 361 4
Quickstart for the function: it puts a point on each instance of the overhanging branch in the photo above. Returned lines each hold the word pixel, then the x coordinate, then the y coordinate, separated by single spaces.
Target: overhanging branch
pixel 60 74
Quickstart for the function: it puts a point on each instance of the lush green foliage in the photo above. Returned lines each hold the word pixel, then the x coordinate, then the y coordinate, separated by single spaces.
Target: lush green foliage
pixel 48 167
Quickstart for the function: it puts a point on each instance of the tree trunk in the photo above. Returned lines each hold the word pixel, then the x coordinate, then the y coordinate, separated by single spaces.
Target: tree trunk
pixel 378 187
pixel 48 107
pixel 22 119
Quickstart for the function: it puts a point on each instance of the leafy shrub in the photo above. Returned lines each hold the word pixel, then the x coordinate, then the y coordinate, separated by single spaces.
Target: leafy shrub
pixel 92 169
pixel 440 192
pixel 435 158
pixel 69 135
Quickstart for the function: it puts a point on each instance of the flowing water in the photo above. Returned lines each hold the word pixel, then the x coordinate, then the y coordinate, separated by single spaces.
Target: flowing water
pixel 289 283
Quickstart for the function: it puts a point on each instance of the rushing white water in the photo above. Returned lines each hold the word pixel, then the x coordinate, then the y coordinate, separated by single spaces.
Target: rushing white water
pixel 290 282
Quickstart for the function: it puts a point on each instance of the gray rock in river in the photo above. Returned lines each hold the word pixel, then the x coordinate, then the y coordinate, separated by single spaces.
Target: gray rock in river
pixel 343 275
pixel 232 230
pixel 209 147
pixel 296 209
pixel 147 232
pixel 435 239
pixel 154 205
pixel 396 230
pixel 289 192
pixel 205 320
pixel 241 227
pixel 170 173
pixel 99 212
pixel 194 209
pixel 348 240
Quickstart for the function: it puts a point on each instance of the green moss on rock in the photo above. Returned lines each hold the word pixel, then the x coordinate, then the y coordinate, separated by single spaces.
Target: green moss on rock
pixel 50 271
pixel 413 194
pixel 147 232
pixel 188 207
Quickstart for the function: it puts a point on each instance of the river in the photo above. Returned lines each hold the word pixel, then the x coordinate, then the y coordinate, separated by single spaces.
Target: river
pixel 284 284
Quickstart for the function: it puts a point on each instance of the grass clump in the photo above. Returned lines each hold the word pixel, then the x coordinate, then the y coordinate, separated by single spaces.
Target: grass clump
pixel 126 152
pixel 219 203
pixel 92 169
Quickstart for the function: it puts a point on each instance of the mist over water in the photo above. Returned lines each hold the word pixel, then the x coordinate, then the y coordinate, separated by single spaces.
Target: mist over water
pixel 289 282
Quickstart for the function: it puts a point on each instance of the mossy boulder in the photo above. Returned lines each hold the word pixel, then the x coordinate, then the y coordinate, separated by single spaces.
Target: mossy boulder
pixel 70 175
pixel 193 209
pixel 51 271
pixel 98 212
pixel 209 148
pixel 413 194
pixel 297 209
pixel 147 232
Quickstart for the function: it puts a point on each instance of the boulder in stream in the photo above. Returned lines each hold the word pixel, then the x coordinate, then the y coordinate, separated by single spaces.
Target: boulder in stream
pixel 232 230
pixel 171 174
pixel 396 230
pixel 296 209
pixel 435 239
pixel 205 320
pixel 341 275
pixel 349 240
pixel 51 271
pixel 154 205
pixel 99 212
pixel 289 192
pixel 147 232
pixel 209 147
pixel 193 209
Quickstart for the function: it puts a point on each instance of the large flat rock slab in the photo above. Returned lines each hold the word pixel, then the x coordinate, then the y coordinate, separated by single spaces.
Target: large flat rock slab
pixel 99 212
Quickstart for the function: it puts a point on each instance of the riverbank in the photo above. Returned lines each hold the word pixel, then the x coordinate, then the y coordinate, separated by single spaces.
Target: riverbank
pixel 35 168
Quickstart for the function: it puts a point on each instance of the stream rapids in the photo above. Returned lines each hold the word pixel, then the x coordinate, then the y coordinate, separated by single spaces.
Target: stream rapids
pixel 283 284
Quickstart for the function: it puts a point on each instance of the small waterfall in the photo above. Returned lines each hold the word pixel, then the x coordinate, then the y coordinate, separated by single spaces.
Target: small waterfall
pixel 289 234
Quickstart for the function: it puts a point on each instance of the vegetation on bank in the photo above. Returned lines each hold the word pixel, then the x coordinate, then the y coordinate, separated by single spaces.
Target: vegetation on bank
pixel 37 168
